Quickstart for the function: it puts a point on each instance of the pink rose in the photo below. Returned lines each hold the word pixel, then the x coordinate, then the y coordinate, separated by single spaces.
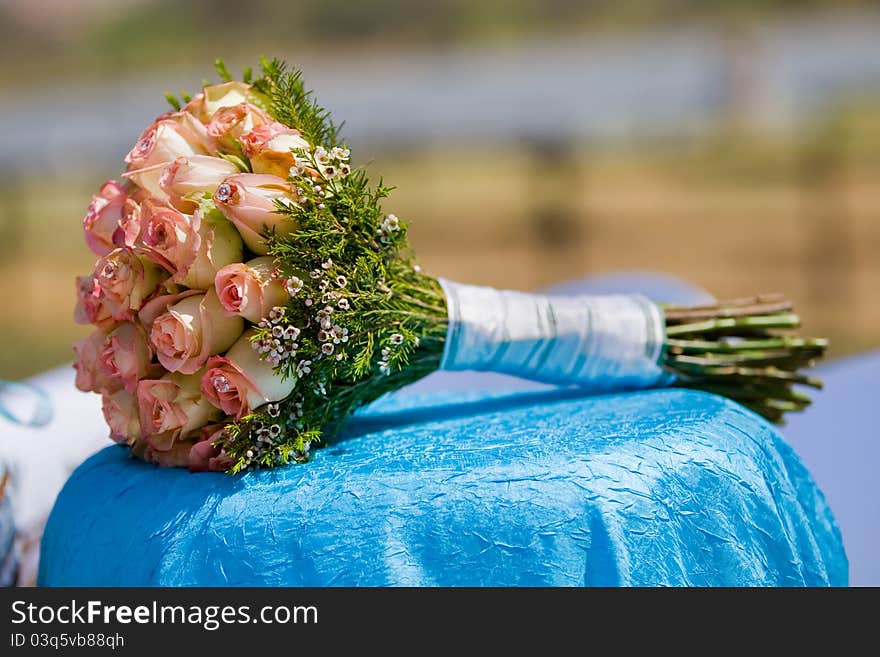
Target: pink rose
pixel 187 179
pixel 121 414
pixel 250 289
pixel 90 306
pixel 102 218
pixel 126 357
pixel 171 408
pixel 240 381
pixel 173 135
pixel 89 376
pixel 248 201
pixel 126 281
pixel 269 148
pixel 192 249
pixel 205 456
pixel 191 330
pixel 229 123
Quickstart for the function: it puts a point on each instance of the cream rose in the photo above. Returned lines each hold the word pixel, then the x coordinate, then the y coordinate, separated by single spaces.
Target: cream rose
pixel 126 281
pixel 173 135
pixel 186 245
pixel 191 330
pixel 89 376
pixel 186 179
pixel 120 410
pixel 229 123
pixel 205 103
pixel 90 306
pixel 171 408
pixel 269 148
pixel 240 381
pixel 248 201
pixel 250 289
pixel 103 216
pixel 126 357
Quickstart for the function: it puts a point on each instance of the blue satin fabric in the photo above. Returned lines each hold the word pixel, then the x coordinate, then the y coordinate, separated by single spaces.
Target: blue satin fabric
pixel 665 487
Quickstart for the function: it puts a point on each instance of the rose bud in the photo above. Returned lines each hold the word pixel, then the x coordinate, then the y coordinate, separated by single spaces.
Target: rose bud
pixel 229 123
pixel 90 306
pixel 205 456
pixel 171 408
pixel 205 103
pixel 240 381
pixel 191 330
pixel 127 280
pixel 174 135
pixel 269 148
pixel 250 289
pixel 126 357
pixel 121 414
pixel 89 376
pixel 248 201
pixel 186 179
pixel 102 218
pixel 190 248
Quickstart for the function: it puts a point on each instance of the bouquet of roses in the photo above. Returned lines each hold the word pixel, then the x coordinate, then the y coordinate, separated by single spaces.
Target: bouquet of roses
pixel 250 292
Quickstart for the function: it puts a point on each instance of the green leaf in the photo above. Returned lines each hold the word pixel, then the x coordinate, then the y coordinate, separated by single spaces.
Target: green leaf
pixel 222 71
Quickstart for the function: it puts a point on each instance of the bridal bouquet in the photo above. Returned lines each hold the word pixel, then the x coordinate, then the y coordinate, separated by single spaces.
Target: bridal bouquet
pixel 250 292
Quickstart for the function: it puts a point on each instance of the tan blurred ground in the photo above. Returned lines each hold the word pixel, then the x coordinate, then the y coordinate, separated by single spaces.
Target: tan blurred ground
pixel 733 215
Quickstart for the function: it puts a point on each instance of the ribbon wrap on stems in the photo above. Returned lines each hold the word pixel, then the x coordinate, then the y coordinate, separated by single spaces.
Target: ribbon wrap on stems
pixel 603 343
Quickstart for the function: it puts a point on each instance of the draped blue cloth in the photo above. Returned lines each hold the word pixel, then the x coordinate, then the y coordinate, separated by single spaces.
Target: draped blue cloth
pixel 664 487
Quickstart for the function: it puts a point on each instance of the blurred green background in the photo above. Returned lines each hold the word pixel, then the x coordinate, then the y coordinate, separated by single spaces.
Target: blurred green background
pixel 734 144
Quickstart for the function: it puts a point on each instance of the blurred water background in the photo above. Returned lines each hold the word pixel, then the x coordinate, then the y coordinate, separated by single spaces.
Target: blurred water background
pixel 734 144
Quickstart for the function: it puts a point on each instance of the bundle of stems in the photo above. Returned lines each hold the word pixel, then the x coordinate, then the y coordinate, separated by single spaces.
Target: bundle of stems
pixel 743 349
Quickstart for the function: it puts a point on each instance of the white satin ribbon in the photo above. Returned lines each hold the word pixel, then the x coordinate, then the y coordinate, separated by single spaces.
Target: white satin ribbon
pixel 603 343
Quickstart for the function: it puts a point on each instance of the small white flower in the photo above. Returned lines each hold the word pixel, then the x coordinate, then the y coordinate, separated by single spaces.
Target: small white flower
pixel 293 284
pixel 273 410
pixel 315 273
pixel 323 336
pixel 321 206
pixel 276 314
pixel 291 333
pixel 321 155
pixel 327 264
pixel 339 356
pixel 277 331
pixel 274 431
pixel 303 368
pixel 341 281
pixel 396 338
pixel 417 268
pixel 327 348
pixel 384 368
pixel 309 302
pixel 386 352
pixel 343 304
pixel 339 334
pixel 391 223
